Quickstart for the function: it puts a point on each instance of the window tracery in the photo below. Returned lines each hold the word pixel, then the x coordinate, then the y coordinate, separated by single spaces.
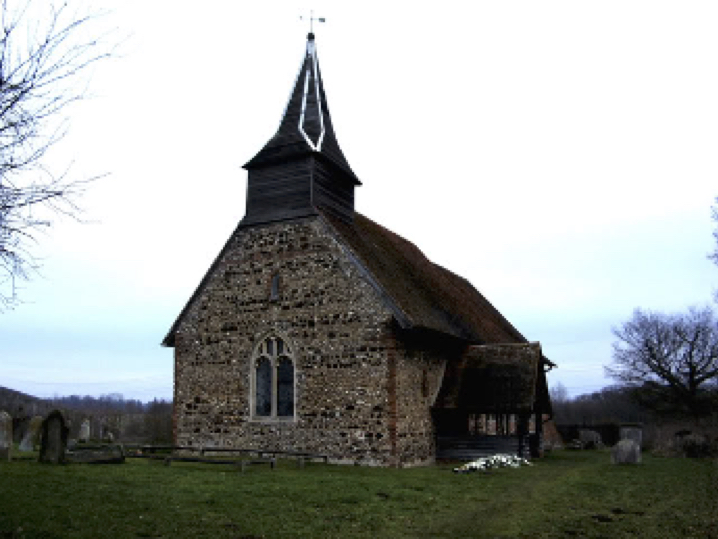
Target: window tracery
pixel 273 380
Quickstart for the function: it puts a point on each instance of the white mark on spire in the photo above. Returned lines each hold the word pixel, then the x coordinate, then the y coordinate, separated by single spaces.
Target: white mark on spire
pixel 312 70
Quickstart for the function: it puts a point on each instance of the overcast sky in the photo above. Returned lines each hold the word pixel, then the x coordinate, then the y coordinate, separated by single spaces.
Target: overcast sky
pixel 559 155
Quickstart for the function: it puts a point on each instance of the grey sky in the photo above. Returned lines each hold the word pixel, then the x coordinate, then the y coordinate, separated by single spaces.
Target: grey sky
pixel 559 155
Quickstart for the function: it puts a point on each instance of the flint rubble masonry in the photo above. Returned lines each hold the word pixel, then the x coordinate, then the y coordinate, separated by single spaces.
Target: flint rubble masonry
pixel 358 393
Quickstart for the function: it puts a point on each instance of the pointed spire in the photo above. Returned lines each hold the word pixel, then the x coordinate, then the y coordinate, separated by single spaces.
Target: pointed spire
pixel 306 126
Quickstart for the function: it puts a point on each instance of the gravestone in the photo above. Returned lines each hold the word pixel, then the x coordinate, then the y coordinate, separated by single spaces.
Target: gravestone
pixel 32 434
pixel 84 431
pixel 626 452
pixel 96 429
pixel 53 442
pixel 5 436
pixel 632 432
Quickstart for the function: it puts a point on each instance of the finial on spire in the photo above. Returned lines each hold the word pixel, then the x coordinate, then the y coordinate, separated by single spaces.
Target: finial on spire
pixel 312 18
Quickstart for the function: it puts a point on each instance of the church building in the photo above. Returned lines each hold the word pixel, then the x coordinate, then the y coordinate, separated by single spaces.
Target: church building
pixel 317 330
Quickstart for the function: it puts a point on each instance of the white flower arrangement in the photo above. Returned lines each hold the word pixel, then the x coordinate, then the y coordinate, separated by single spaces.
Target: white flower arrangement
pixel 495 461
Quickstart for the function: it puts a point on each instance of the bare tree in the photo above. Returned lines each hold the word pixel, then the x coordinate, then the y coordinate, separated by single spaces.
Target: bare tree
pixel 714 255
pixel 672 358
pixel 46 52
pixel 559 393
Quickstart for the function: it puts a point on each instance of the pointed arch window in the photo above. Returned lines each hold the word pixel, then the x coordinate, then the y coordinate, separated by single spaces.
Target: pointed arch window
pixel 263 387
pixel 273 380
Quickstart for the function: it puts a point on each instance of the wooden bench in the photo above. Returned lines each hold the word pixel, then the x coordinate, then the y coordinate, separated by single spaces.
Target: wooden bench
pixel 242 463
pixel 264 456
pixel 304 457
pixel 96 453
pixel 301 457
pixel 144 451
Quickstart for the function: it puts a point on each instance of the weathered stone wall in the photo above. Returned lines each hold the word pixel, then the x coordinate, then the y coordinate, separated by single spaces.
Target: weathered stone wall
pixel 337 327
pixel 419 373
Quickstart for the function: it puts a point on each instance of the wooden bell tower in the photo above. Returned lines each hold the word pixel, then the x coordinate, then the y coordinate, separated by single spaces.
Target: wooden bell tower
pixel 302 168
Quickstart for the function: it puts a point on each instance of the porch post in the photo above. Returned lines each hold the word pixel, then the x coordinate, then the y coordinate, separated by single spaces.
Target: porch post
pixel 522 429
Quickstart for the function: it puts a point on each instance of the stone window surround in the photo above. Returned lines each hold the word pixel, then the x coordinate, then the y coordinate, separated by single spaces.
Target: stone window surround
pixel 274 360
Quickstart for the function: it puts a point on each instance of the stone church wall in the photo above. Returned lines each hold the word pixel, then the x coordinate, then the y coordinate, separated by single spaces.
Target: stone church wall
pixel 419 373
pixel 337 326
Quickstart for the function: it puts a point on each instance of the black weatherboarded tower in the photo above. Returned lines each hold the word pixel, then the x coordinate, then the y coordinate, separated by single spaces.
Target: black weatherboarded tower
pixel 301 169
pixel 317 330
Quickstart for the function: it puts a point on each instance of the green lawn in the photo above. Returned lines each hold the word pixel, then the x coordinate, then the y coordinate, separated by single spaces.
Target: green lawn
pixel 567 494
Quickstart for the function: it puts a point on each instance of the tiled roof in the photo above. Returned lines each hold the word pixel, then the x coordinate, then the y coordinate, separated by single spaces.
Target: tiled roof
pixel 425 294
pixel 493 378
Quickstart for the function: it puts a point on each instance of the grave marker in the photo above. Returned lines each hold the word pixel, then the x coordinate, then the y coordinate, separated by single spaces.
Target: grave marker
pixel 31 439
pixel 84 431
pixel 626 452
pixel 5 436
pixel 632 432
pixel 54 438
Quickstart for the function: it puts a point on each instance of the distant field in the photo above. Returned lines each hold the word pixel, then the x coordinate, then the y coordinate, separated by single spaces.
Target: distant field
pixel 567 494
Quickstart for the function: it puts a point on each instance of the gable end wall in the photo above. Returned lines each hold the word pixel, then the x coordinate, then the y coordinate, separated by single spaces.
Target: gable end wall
pixel 331 315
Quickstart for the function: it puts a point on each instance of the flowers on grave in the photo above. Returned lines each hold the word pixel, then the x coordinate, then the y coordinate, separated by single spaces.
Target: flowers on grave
pixel 492 462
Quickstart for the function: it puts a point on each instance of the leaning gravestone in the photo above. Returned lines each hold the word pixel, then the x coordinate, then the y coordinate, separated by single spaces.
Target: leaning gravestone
pixel 5 435
pixel 53 443
pixel 626 452
pixel 32 434
pixel 84 431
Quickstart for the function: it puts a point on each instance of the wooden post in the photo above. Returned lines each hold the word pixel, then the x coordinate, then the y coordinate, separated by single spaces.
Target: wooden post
pixel 522 429
pixel 539 432
pixel 537 438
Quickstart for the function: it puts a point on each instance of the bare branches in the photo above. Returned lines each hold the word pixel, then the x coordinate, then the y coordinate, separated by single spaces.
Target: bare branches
pixel 714 213
pixel 46 54
pixel 678 353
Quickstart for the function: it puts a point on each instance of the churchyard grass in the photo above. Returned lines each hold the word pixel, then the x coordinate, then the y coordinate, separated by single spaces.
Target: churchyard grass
pixel 567 494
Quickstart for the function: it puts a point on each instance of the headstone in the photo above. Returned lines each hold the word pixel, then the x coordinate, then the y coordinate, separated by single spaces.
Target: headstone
pixel 632 432
pixel 32 434
pixel 5 435
pixel 84 431
pixel 590 439
pixel 626 452
pixel 54 438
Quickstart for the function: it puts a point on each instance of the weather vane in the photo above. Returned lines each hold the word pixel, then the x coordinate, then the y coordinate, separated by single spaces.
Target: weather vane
pixel 312 18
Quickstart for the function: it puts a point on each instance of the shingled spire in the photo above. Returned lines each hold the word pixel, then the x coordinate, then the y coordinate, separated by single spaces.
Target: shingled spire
pixel 301 169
